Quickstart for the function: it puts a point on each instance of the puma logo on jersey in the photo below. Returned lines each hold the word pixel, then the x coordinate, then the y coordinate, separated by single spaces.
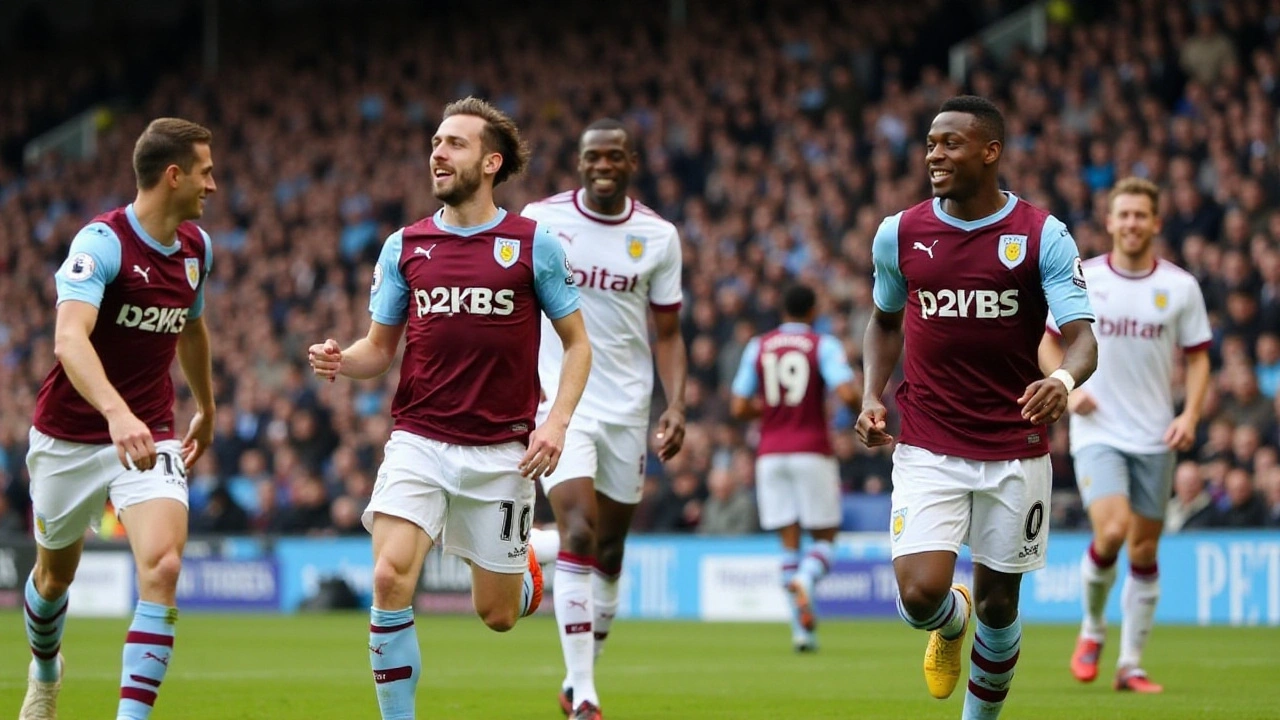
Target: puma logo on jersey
pixel 420 251
pixel 146 274
pixel 980 304
pixel 471 300
pixel 153 319
pixel 920 246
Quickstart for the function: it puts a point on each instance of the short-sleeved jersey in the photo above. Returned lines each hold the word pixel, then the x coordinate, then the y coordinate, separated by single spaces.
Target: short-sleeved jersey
pixel 145 293
pixel 791 368
pixel 976 295
pixel 623 265
pixel 472 298
pixel 1142 321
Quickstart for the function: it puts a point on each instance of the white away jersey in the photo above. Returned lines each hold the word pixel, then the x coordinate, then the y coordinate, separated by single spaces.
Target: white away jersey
pixel 623 265
pixel 1141 321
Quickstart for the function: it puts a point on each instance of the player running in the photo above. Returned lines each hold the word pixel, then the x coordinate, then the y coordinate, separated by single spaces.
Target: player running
pixel 467 287
pixel 965 282
pixel 1123 430
pixel 791 369
pixel 130 298
pixel 626 262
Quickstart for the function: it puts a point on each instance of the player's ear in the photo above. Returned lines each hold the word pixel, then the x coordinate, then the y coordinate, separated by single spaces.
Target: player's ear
pixel 172 175
pixel 992 153
pixel 492 163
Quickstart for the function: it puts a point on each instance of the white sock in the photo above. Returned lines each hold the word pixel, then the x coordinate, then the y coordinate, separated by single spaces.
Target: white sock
pixel 1095 583
pixel 604 592
pixel 817 562
pixel 545 544
pixel 574 616
pixel 1138 601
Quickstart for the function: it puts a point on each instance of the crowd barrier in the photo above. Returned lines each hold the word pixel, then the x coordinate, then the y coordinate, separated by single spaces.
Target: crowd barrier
pixel 1220 578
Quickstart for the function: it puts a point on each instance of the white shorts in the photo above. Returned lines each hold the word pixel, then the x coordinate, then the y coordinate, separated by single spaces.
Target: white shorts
pixel 798 488
pixel 70 484
pixel 999 508
pixel 472 495
pixel 611 455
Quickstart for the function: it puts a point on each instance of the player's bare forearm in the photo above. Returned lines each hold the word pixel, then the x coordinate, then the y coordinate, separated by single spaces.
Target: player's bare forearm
pixel 575 369
pixel 1081 356
pixel 72 347
pixel 881 350
pixel 849 395
pixel 1050 354
pixel 372 355
pixel 671 358
pixel 1197 383
pixel 196 360
pixel 743 408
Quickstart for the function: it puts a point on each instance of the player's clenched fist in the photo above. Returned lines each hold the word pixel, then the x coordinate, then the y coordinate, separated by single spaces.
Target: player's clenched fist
pixel 871 424
pixel 326 359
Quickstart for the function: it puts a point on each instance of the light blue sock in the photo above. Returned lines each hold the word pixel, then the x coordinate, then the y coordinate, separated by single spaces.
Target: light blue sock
pixel 147 649
pixel 950 617
pixel 396 661
pixel 991 663
pixel 817 562
pixel 790 566
pixel 44 620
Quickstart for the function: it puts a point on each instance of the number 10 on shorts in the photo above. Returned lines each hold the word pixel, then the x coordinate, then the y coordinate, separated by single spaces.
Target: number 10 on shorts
pixel 508 510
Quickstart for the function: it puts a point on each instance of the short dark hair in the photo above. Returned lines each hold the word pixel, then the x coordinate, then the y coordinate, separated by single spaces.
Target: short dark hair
pixel 500 135
pixel 606 125
pixel 798 301
pixel 165 142
pixel 989 117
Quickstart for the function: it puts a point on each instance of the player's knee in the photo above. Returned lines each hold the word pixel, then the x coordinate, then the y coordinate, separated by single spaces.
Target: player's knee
pixel 579 536
pixel 609 555
pixel 163 570
pixel 1110 536
pixel 53 583
pixel 920 600
pixel 997 608
pixel 1142 552
pixel 388 581
pixel 498 619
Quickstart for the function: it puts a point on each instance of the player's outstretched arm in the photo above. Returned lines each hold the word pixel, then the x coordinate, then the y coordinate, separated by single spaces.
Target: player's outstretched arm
pixel 673 369
pixel 547 440
pixel 1044 401
pixel 196 360
pixel 881 350
pixel 369 357
pixel 74 350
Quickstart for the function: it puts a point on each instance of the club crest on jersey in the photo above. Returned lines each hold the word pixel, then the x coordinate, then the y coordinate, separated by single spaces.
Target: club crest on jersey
pixel 1013 249
pixel 506 251
pixel 193 273
pixel 1161 299
pixel 635 246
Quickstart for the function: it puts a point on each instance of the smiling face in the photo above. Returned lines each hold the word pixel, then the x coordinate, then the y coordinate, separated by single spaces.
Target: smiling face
pixel 958 153
pixel 459 161
pixel 1133 224
pixel 191 188
pixel 605 165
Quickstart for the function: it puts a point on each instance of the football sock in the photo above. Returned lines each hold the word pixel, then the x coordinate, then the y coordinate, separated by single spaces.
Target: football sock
pixel 817 562
pixel 44 622
pixel 949 618
pixel 574 615
pixel 991 663
pixel 545 543
pixel 147 650
pixel 604 595
pixel 1138 601
pixel 1097 575
pixel 396 661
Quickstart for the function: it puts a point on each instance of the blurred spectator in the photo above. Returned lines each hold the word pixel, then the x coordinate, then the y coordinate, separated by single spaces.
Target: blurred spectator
pixel 308 511
pixel 220 515
pixel 679 509
pixel 1244 507
pixel 730 508
pixel 1192 506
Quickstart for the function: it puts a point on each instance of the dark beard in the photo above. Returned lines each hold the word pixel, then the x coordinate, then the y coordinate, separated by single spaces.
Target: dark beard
pixel 465 185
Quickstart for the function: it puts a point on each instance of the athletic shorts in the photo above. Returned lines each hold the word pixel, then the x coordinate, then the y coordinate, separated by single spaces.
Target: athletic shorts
pixel 1146 479
pixel 611 455
pixel 470 498
pixel 799 488
pixel 999 508
pixel 71 482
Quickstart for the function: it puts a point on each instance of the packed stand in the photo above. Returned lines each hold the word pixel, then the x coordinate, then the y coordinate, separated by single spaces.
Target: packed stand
pixel 775 141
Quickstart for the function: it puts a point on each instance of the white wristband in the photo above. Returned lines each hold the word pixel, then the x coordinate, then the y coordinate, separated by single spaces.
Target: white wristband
pixel 1065 378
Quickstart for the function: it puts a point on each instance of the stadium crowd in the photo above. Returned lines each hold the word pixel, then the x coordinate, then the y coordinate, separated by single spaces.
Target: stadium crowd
pixel 776 138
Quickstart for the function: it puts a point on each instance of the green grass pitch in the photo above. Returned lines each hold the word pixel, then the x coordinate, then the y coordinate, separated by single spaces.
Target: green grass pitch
pixel 237 667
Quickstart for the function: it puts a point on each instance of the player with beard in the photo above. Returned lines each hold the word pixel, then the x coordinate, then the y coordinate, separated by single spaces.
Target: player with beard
pixel 963 284
pixel 626 261
pixel 467 286
pixel 1123 431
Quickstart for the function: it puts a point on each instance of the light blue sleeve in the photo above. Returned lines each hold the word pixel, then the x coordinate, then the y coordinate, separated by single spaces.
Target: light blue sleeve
pixel 197 307
pixel 552 276
pixel 389 296
pixel 746 382
pixel 92 263
pixel 1062 274
pixel 832 362
pixel 890 288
